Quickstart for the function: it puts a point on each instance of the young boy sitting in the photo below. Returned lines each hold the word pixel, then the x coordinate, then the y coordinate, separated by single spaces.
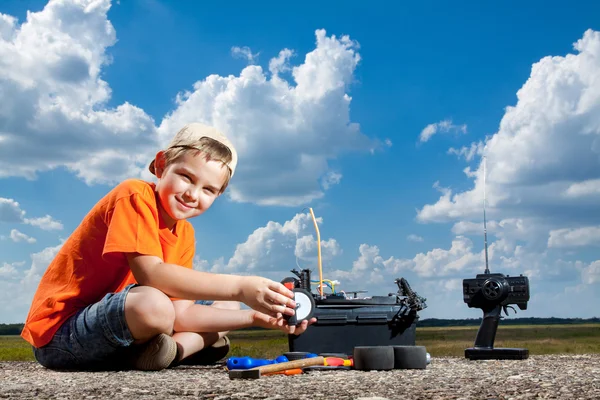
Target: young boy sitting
pixel 121 293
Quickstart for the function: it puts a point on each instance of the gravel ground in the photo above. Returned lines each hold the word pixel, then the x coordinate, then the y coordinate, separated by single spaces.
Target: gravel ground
pixel 539 377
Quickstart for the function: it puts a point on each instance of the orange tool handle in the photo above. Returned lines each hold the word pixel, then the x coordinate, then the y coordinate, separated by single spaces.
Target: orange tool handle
pixel 338 362
pixel 293 371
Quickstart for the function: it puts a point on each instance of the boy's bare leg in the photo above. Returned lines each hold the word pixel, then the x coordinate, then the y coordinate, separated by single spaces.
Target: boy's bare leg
pixel 148 313
pixel 189 343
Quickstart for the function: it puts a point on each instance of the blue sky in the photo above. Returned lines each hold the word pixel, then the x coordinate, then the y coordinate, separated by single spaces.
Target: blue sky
pixel 371 116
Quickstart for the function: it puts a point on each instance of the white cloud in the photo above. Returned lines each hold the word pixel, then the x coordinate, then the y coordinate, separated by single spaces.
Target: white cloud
pixel 462 260
pixel 18 286
pixel 285 131
pixel 509 228
pixel 51 70
pixel 9 270
pixel 547 145
pixel 468 152
pixel 414 238
pixel 370 268
pixel 7 26
pixel 271 251
pixel 46 223
pixel 459 259
pixel 244 52
pixel 281 62
pixel 578 237
pixel 11 212
pixel 444 126
pixel 543 169
pixel 470 228
pixel 39 263
pixel 17 237
pixel 330 179
pixel 585 188
pixel 591 274
pixel 273 245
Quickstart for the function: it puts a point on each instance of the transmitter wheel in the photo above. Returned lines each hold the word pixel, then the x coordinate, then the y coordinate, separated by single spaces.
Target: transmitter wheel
pixel 495 289
pixel 305 305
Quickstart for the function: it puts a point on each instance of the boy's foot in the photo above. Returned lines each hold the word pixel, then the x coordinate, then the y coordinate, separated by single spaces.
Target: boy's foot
pixel 209 355
pixel 155 355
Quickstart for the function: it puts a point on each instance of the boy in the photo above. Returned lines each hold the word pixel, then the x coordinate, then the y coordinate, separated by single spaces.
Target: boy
pixel 121 292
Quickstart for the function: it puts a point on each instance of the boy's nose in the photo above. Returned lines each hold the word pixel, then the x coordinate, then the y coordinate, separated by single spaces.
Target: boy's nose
pixel 192 194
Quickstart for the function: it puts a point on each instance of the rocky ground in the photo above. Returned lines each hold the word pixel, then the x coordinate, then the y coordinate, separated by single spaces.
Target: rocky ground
pixel 539 377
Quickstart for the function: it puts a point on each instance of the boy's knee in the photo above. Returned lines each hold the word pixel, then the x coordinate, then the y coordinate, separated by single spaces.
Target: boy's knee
pixel 149 312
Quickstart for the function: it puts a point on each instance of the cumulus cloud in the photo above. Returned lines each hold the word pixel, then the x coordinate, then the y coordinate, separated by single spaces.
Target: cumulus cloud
pixel 440 262
pixel 591 274
pixel 18 285
pixel 461 260
pixel 285 131
pixel 444 126
pixel 509 228
pixel 46 223
pixel 50 69
pixel 270 247
pixel 577 237
pixel 589 187
pixel 543 169
pixel 414 238
pixel 11 212
pixel 281 62
pixel 17 237
pixel 9 270
pixel 275 248
pixel 372 268
pixel 468 152
pixel 285 128
pixel 546 154
pixel 244 52
pixel 39 263
pixel 330 179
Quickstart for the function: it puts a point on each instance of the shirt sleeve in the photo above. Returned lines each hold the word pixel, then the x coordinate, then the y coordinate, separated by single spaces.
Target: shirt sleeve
pixel 133 227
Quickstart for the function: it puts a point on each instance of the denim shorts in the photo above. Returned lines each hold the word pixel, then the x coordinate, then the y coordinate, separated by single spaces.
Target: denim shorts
pixel 97 337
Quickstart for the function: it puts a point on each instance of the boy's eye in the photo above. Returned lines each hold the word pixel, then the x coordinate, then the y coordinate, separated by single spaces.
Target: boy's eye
pixel 186 177
pixel 210 190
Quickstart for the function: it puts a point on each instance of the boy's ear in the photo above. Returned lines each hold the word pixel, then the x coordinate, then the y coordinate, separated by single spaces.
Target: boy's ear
pixel 159 163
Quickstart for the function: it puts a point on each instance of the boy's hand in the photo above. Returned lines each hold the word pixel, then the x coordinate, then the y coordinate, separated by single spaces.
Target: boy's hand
pixel 266 296
pixel 278 322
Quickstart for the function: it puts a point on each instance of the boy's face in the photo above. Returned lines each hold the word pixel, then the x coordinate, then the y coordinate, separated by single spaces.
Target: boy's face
pixel 188 186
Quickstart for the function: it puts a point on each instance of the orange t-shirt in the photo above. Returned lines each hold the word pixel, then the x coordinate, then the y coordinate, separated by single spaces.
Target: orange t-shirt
pixel 92 262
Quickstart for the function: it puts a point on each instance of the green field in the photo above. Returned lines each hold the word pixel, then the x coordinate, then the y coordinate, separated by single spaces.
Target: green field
pixel 447 341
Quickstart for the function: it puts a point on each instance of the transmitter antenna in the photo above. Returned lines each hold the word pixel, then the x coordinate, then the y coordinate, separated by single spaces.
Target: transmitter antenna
pixel 487 269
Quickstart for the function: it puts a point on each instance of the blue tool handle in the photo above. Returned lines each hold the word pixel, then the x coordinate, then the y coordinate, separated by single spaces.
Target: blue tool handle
pixel 249 362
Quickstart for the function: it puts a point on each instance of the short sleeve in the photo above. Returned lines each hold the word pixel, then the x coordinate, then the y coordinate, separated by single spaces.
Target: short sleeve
pixel 133 227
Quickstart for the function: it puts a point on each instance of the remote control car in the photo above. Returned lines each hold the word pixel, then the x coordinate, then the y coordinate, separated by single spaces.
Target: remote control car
pixel 344 320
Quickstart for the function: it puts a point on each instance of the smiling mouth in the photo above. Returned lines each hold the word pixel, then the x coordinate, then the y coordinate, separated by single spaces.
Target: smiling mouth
pixel 185 206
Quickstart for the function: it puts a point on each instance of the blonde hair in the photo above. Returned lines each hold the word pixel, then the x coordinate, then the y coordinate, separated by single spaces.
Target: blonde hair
pixel 213 150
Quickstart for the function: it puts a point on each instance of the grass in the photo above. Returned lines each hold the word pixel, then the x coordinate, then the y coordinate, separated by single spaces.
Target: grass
pixel 539 339
pixel 14 348
pixel 440 342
